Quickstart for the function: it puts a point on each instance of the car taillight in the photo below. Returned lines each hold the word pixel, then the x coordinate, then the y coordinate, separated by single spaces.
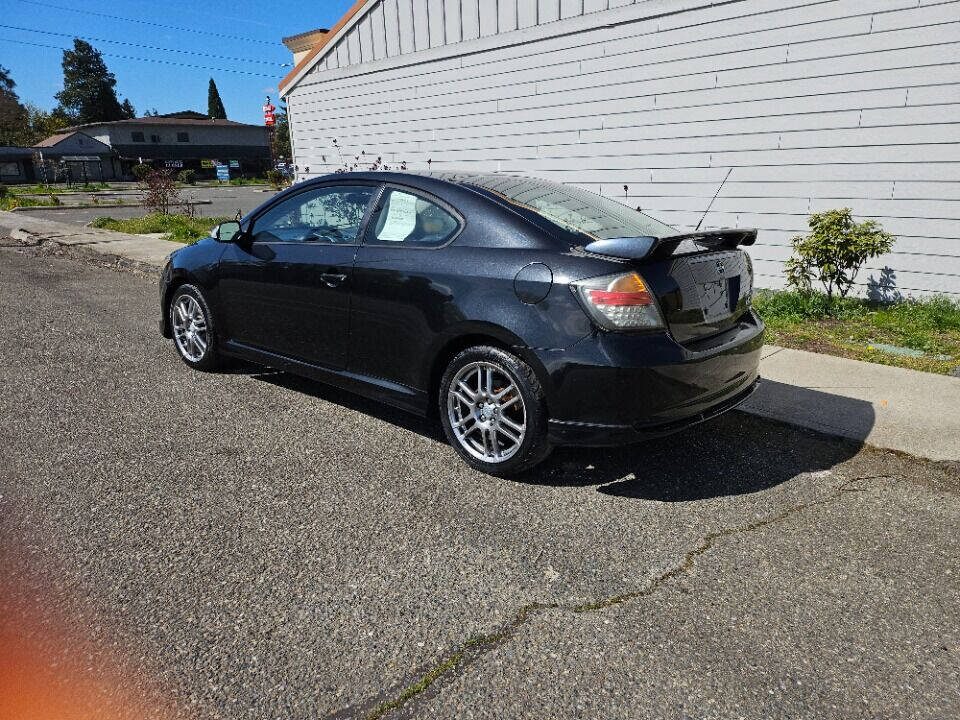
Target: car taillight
pixel 619 302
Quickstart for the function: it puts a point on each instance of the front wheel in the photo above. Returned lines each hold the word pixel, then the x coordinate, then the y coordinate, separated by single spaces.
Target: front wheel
pixel 493 411
pixel 192 325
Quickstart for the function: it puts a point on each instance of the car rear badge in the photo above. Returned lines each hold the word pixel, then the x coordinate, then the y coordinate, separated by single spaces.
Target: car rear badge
pixel 720 267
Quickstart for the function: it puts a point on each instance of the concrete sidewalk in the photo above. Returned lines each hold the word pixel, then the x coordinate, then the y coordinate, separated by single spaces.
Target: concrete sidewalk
pixel 883 406
pixel 887 407
pixel 146 250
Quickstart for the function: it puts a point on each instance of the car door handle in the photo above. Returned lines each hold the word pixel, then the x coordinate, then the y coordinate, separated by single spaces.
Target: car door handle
pixel 333 279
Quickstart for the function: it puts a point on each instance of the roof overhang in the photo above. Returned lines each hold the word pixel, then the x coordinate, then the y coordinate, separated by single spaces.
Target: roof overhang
pixel 326 41
pixel 305 40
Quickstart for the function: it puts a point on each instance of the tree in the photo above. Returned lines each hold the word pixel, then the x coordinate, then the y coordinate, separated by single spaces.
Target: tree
pixel 13 115
pixel 281 136
pixel 127 108
pixel 88 93
pixel 834 251
pixel 159 191
pixel 42 124
pixel 215 107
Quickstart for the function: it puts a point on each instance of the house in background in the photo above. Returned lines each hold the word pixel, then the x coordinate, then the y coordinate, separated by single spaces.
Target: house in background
pixel 184 140
pixel 67 156
pixel 108 151
pixel 74 156
pixel 814 104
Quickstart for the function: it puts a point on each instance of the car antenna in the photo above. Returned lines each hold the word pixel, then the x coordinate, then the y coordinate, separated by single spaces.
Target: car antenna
pixel 711 202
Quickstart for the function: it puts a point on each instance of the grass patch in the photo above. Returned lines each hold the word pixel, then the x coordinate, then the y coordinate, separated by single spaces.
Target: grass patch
pixel 9 202
pixel 177 228
pixel 41 189
pixel 849 326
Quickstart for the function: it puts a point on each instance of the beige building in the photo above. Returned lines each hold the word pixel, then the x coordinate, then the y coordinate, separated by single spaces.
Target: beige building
pixel 184 140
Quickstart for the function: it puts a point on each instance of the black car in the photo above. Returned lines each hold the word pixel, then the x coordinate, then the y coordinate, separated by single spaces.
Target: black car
pixel 526 313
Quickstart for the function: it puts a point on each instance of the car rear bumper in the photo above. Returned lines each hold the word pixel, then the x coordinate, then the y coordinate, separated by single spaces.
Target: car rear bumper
pixel 564 432
pixel 615 389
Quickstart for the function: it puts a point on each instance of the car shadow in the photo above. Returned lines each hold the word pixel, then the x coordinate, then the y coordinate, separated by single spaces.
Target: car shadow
pixel 349 400
pixel 735 454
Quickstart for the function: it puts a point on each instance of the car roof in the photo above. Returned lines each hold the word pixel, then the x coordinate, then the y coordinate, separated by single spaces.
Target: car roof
pixel 469 190
pixel 464 178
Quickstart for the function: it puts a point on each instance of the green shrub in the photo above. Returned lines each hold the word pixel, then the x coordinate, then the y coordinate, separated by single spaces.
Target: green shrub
pixel 834 251
pixel 187 177
pixel 276 178
pixel 141 170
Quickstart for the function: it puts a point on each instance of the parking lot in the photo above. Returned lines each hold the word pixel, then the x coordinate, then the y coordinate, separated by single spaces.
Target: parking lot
pixel 248 544
pixel 223 201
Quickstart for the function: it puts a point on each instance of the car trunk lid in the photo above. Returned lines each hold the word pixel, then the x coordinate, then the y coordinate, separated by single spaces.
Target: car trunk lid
pixel 702 281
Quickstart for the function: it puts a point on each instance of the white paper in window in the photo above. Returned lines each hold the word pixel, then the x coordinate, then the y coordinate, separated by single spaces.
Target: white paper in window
pixel 401 217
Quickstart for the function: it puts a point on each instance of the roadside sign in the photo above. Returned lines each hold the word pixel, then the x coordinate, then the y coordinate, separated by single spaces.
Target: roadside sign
pixel 223 173
pixel 208 163
pixel 269 110
pixel 235 164
pixel 173 163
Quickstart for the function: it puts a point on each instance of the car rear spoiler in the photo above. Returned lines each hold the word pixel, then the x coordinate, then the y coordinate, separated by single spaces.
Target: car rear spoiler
pixel 644 246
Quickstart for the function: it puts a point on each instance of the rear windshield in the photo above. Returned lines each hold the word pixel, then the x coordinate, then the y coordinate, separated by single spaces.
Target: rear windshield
pixel 571 208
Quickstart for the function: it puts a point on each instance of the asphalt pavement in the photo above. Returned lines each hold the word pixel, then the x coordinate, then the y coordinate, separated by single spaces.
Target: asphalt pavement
pixel 224 201
pixel 248 544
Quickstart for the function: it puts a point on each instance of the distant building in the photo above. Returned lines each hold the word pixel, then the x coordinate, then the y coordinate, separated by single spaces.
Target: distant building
pixel 183 140
pixel 16 165
pixel 68 156
pixel 75 157
pixel 108 151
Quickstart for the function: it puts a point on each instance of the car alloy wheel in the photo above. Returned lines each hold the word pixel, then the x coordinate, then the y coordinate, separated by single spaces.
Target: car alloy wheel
pixel 486 412
pixel 190 328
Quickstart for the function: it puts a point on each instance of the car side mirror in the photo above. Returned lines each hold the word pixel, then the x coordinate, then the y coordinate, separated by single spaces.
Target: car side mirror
pixel 227 231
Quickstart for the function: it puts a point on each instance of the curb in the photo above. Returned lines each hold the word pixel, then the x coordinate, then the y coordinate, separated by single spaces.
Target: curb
pixel 91 206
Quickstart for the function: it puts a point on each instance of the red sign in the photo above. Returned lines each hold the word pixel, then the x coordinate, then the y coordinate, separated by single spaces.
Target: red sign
pixel 269 117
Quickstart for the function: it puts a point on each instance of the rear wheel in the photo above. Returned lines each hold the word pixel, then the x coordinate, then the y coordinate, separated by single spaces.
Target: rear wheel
pixel 192 326
pixel 493 411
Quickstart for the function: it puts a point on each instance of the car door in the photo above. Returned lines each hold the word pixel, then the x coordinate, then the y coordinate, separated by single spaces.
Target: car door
pixel 403 282
pixel 286 284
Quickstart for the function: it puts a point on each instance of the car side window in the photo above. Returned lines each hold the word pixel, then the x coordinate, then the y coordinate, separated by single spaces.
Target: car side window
pixel 326 216
pixel 411 221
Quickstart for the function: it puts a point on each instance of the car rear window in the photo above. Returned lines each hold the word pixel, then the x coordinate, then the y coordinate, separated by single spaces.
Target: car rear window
pixel 571 208
pixel 412 221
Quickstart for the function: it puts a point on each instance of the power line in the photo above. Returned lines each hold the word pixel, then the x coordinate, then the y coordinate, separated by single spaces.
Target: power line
pixel 142 59
pixel 146 47
pixel 145 22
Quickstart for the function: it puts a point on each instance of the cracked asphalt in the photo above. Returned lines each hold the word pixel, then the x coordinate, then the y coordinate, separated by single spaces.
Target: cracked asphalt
pixel 250 545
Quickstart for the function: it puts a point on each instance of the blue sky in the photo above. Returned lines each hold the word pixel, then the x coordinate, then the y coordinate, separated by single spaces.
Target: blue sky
pixel 237 29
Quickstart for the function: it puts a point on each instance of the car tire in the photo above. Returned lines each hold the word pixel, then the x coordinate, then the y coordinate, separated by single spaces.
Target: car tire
pixel 192 327
pixel 493 411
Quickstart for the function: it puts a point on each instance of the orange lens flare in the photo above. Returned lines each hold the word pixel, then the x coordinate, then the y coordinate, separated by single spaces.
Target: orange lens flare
pixel 52 669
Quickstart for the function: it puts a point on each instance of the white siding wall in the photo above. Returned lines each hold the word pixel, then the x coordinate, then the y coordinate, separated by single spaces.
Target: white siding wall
pixel 814 104
pixel 406 26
